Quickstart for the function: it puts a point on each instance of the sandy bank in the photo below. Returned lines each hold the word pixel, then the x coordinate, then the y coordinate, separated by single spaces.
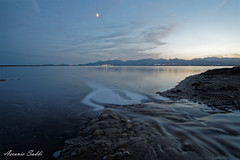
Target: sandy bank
pixel 218 88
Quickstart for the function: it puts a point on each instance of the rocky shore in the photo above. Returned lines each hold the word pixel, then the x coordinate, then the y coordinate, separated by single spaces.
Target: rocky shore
pixel 167 130
pixel 133 132
pixel 219 88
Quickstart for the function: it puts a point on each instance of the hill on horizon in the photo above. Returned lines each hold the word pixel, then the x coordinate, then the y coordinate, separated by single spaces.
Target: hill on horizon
pixel 208 61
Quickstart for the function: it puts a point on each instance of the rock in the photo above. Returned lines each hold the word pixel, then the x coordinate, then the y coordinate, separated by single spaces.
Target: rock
pixel 73 153
pixel 218 88
pixel 56 154
pixel 127 137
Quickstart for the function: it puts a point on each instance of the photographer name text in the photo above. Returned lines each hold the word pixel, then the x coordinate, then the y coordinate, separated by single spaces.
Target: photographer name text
pixel 22 154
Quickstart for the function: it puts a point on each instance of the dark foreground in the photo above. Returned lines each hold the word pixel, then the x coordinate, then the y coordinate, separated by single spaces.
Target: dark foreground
pixel 157 131
pixel 168 130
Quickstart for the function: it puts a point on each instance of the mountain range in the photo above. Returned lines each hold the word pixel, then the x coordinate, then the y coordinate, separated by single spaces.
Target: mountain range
pixel 209 61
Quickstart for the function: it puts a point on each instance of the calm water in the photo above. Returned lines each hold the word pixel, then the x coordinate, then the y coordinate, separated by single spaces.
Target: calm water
pixel 42 106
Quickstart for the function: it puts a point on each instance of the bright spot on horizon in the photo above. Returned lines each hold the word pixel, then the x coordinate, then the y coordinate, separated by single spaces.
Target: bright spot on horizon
pixel 97 15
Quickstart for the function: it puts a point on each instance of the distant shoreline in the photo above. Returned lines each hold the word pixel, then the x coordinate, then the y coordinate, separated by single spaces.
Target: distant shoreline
pixel 32 65
pixel 105 66
pixel 208 61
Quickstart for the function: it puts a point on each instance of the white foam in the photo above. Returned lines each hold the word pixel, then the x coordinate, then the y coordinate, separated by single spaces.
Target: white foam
pixel 161 98
pixel 102 95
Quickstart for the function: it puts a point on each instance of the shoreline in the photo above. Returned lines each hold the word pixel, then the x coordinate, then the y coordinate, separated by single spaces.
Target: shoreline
pixel 131 132
pixel 162 130
pixel 155 131
pixel 68 65
pixel 219 88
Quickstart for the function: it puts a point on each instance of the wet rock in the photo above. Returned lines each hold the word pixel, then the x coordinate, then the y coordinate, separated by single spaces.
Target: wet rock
pixel 56 154
pixel 73 153
pixel 128 137
pixel 218 88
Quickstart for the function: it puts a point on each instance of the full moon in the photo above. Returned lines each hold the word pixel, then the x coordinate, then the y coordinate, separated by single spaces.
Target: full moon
pixel 97 15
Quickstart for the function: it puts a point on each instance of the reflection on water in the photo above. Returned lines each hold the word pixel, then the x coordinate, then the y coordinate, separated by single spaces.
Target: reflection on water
pixel 40 106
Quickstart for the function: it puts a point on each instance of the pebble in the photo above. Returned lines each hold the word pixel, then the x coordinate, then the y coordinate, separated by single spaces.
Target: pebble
pixel 56 154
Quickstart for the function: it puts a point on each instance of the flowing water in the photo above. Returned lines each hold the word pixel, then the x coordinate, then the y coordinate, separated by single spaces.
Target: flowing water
pixel 40 107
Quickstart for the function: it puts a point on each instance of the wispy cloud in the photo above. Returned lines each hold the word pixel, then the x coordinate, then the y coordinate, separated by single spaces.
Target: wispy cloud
pixel 221 4
pixel 35 6
pixel 233 55
pixel 154 35
pixel 132 41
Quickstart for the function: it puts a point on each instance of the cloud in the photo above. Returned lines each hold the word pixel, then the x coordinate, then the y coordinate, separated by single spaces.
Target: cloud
pixel 224 55
pixel 156 34
pixel 133 40
pixel 221 4
pixel 35 6
pixel 233 55
pixel 155 37
pixel 236 54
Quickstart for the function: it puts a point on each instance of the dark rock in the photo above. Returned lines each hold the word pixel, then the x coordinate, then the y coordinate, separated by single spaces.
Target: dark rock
pixel 134 139
pixel 219 88
pixel 176 91
pixel 223 71
pixel 195 84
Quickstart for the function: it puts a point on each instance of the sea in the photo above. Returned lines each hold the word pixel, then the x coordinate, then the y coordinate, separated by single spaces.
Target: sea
pixel 41 107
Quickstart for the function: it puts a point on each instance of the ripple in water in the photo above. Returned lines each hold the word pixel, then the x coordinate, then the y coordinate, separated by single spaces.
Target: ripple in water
pixel 166 130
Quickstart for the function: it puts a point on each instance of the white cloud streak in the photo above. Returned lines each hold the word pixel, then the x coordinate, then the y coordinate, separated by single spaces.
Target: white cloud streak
pixel 221 4
pixel 35 6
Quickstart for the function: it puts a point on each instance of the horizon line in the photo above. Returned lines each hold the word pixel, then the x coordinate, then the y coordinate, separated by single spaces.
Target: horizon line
pixel 87 64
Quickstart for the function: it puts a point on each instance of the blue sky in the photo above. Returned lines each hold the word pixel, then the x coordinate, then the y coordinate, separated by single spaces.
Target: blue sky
pixel 68 31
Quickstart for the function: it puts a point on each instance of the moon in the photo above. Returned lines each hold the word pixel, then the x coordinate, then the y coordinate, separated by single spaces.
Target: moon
pixel 97 15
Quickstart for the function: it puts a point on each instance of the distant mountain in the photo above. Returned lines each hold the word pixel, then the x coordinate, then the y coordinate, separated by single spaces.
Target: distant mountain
pixel 209 61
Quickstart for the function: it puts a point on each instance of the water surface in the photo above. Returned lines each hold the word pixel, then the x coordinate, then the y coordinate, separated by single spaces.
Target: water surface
pixel 42 106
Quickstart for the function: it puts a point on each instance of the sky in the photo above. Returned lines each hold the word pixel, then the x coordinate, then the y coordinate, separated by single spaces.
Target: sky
pixel 82 31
